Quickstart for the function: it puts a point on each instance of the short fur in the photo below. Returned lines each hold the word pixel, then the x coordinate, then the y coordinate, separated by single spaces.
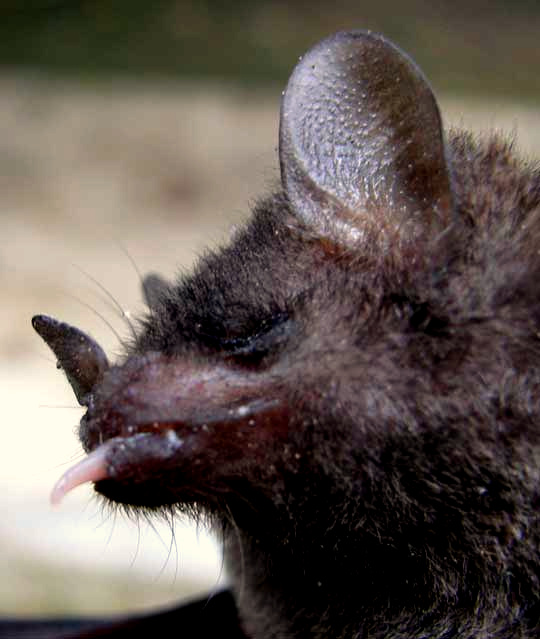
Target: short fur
pixel 416 423
pixel 362 417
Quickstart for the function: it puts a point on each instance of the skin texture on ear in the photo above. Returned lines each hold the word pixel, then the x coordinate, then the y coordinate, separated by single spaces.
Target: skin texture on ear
pixel 361 143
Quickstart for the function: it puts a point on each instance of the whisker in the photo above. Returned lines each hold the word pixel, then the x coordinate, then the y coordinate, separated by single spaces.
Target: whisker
pixel 61 465
pixel 74 407
pixel 152 526
pixel 104 511
pixel 221 569
pixel 123 313
pixel 78 454
pixel 174 545
pixel 113 526
pixel 166 546
pixel 101 317
pixel 131 259
pixel 138 546
pixel 232 521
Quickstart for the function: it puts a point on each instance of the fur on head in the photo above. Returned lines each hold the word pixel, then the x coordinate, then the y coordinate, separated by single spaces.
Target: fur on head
pixel 350 390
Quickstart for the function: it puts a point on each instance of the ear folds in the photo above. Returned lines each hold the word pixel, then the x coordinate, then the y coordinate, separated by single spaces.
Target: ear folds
pixel 361 143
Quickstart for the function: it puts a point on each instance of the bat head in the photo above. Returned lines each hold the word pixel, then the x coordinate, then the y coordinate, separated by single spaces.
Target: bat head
pixel 351 387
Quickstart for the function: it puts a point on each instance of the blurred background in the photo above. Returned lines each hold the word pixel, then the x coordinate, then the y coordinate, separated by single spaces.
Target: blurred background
pixel 133 134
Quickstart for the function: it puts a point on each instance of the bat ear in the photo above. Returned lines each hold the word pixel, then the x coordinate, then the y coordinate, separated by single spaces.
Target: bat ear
pixel 362 150
pixel 154 288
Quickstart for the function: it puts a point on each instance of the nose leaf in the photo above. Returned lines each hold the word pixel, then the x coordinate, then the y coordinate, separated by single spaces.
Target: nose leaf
pixel 80 356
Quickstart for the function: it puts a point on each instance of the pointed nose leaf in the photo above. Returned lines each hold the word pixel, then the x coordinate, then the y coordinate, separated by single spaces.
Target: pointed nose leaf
pixel 81 358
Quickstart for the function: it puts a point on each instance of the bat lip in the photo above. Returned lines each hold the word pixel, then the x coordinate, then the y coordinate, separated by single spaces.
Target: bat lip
pixel 101 462
pixel 191 452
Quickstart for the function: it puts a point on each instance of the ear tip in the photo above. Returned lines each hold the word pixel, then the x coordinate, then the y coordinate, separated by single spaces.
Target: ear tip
pixel 358 53
pixel 350 35
pixel 341 60
pixel 356 39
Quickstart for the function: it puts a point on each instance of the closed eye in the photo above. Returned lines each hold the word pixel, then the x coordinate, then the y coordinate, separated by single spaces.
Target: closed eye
pixel 268 339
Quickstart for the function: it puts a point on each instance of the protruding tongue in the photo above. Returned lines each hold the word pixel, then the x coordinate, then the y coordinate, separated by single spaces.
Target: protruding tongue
pixel 90 469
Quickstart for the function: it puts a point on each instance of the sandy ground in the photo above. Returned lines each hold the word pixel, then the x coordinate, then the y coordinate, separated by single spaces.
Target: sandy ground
pixel 95 179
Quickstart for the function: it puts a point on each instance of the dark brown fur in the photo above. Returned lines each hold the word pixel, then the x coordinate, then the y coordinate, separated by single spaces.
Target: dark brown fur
pixel 359 413
pixel 416 419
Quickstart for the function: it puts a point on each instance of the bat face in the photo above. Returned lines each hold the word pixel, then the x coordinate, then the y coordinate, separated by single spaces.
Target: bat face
pixel 349 390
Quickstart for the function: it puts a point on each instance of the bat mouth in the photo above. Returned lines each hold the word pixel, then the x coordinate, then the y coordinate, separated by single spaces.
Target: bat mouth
pixel 171 462
pixel 104 461
pixel 161 430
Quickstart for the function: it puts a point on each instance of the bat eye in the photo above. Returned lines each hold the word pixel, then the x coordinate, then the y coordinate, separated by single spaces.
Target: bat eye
pixel 267 340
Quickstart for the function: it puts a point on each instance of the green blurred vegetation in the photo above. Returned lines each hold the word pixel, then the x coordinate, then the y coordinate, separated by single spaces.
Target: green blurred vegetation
pixel 474 46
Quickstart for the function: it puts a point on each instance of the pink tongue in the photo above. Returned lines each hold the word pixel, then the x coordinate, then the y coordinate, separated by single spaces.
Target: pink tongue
pixel 92 468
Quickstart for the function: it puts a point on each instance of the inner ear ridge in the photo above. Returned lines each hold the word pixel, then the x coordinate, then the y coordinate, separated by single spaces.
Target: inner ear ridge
pixel 361 132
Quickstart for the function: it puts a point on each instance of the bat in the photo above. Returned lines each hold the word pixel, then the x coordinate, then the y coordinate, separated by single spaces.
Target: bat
pixel 349 392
